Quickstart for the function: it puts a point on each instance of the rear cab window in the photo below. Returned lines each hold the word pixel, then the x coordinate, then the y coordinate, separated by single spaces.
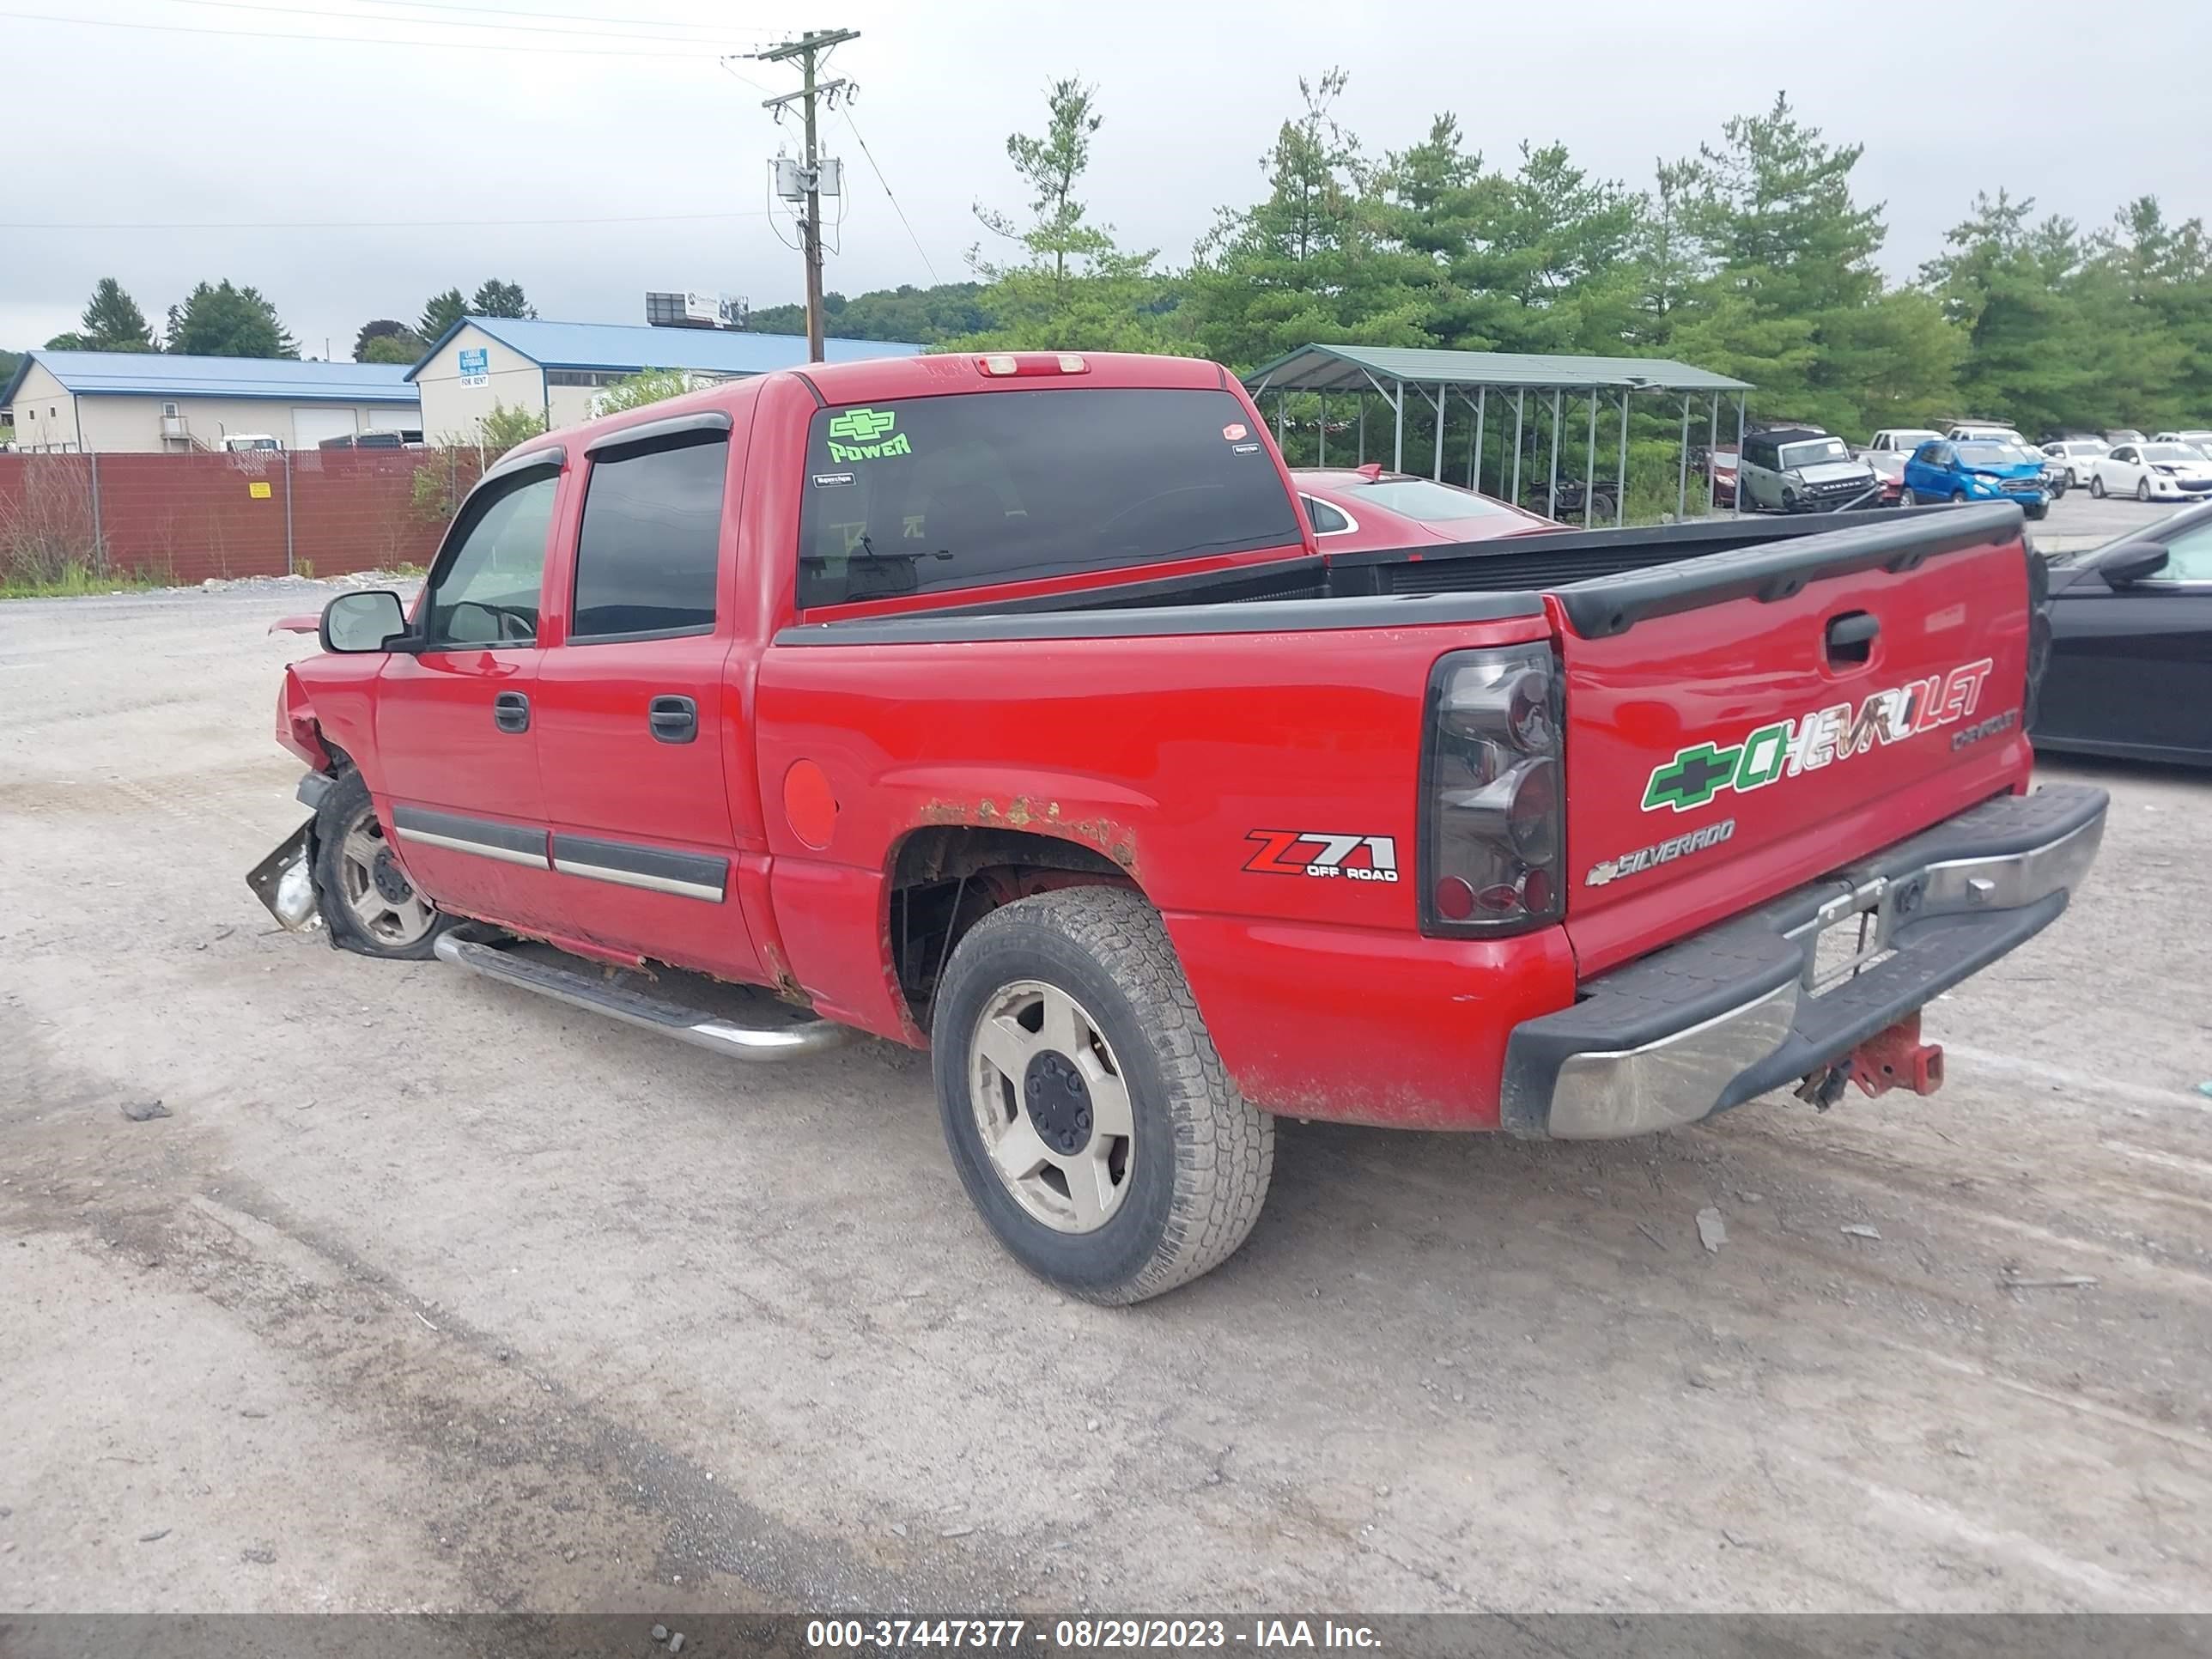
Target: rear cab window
pixel 923 494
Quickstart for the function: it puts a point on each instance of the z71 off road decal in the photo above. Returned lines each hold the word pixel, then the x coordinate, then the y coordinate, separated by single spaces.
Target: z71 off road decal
pixel 1811 741
pixel 1306 853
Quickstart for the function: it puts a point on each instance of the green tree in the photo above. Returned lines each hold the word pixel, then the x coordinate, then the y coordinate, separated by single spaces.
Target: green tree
pixel 1075 288
pixel 223 320
pixel 387 340
pixel 924 315
pixel 1312 261
pixel 648 386
pixel 441 311
pixel 494 298
pixel 112 322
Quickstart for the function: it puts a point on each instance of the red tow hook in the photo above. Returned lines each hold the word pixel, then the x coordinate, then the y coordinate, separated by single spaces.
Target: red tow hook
pixel 1897 1059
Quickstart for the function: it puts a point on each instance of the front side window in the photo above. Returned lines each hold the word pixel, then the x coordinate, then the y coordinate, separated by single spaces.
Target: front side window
pixel 923 494
pixel 649 548
pixel 2188 558
pixel 487 594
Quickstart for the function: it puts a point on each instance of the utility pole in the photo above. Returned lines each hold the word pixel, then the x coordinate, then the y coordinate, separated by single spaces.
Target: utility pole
pixel 808 48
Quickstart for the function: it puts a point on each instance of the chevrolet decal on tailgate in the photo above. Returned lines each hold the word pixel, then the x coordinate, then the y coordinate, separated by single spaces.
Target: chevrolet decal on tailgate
pixel 1811 741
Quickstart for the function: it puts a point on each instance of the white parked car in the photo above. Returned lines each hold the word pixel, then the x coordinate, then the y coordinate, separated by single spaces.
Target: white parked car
pixel 1987 432
pixel 2153 472
pixel 2196 438
pixel 1901 440
pixel 2080 455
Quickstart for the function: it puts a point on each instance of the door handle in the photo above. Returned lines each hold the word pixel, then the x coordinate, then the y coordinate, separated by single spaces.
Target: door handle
pixel 673 720
pixel 1850 636
pixel 510 712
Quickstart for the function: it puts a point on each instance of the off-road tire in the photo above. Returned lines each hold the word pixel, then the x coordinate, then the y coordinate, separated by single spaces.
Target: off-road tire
pixel 1201 1155
pixel 345 804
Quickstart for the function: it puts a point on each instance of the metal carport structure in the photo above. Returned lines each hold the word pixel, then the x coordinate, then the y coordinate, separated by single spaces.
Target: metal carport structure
pixel 1437 376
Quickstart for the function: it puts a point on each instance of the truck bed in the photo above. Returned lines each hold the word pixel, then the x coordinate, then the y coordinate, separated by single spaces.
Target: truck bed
pixel 1604 579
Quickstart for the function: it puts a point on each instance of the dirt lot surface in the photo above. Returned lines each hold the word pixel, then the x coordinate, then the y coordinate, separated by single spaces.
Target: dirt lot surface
pixel 425 1293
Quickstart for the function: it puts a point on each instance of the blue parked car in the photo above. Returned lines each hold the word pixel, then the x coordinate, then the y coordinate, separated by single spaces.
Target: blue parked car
pixel 1975 470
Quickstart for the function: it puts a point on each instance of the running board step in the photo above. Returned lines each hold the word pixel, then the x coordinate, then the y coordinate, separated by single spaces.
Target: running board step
pixel 583 989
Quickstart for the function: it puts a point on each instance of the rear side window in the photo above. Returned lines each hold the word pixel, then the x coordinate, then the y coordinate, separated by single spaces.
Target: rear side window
pixel 1327 520
pixel 923 494
pixel 648 553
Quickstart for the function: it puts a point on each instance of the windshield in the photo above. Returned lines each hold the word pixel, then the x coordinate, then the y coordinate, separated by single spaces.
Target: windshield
pixel 1992 455
pixel 1910 441
pixel 2090 448
pixel 2171 453
pixel 1814 452
pixel 1430 502
pixel 920 494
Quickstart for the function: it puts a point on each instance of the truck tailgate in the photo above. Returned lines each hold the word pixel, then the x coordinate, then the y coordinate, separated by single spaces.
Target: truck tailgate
pixel 1741 723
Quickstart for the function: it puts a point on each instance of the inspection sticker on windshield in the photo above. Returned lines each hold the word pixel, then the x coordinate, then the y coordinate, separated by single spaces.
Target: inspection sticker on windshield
pixel 1808 742
pixel 870 435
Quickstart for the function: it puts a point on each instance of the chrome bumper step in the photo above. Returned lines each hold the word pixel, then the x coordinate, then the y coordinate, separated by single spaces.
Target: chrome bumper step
pixel 588 987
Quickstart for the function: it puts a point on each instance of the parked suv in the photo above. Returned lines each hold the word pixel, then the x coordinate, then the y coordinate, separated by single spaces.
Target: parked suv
pixel 1799 470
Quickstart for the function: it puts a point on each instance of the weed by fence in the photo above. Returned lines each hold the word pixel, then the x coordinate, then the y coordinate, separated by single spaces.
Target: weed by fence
pixel 69 520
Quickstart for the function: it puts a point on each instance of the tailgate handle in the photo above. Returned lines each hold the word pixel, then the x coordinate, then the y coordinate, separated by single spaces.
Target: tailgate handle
pixel 1850 636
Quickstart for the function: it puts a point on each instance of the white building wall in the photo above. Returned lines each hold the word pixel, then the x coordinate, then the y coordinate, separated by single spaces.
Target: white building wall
pixel 129 423
pixel 453 411
pixel 46 414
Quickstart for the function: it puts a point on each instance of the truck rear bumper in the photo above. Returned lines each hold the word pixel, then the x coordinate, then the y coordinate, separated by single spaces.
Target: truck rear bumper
pixel 1747 1005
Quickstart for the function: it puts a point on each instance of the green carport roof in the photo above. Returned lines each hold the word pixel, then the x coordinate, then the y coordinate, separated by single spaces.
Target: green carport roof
pixel 1340 368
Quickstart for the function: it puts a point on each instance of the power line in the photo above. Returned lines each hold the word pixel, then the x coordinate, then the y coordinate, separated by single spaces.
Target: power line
pixel 354 40
pixel 442 23
pixel 406 224
pixel 894 200
pixel 564 16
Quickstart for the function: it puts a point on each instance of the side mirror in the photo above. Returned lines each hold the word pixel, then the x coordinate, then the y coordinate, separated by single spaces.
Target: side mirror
pixel 2131 565
pixel 355 623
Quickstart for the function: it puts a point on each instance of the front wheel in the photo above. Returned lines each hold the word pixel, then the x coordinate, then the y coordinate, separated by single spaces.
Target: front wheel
pixel 367 900
pixel 2041 512
pixel 1958 498
pixel 1088 1115
pixel 2096 486
pixel 2142 489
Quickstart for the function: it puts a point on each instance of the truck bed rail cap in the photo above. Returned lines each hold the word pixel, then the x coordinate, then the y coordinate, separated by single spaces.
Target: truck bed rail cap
pixel 1265 616
pixel 1605 605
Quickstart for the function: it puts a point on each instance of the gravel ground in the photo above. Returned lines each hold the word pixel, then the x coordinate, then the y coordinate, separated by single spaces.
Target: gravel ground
pixel 428 1294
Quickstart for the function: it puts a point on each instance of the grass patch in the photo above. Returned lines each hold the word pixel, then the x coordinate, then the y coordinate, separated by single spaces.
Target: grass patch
pixel 77 581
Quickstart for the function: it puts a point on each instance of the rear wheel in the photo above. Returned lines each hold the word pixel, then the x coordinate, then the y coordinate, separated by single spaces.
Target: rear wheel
pixel 1906 498
pixel 1087 1113
pixel 367 900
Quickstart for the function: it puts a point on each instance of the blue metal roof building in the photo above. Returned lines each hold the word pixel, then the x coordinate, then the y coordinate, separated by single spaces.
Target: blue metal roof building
pixel 557 369
pixel 627 348
pixel 98 401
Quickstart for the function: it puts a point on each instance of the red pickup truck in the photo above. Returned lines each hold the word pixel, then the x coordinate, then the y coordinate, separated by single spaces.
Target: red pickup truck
pixel 1007 705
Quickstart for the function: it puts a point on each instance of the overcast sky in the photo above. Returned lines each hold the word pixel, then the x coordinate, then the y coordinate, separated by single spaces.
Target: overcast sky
pixel 514 115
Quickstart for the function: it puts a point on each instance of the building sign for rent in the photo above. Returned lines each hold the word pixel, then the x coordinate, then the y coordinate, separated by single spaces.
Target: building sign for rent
pixel 258 490
pixel 476 365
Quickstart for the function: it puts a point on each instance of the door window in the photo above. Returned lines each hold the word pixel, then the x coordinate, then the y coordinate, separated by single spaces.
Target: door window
pixel 486 593
pixel 2188 558
pixel 649 548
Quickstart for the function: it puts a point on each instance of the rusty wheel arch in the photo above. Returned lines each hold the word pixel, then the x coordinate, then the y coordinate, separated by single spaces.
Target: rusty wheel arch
pixel 945 878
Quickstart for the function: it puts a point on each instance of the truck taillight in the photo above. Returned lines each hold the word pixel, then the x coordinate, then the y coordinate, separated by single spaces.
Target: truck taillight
pixel 1492 804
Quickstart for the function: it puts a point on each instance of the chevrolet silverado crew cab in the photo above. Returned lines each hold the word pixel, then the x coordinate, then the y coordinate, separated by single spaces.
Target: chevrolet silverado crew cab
pixel 1006 706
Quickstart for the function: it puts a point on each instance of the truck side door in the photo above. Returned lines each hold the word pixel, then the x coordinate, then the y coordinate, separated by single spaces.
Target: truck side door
pixel 637 738
pixel 456 760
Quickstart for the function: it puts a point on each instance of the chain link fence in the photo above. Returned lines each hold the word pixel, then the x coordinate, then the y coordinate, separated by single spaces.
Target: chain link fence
pixel 75 519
